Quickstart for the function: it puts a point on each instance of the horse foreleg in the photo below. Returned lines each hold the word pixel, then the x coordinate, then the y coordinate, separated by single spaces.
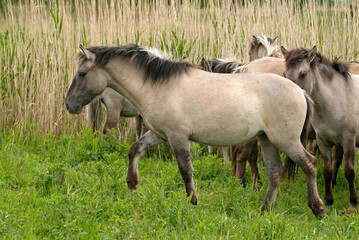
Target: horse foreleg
pixel 338 157
pixel 180 145
pixel 252 160
pixel 349 154
pixel 225 153
pixel 210 149
pixel 274 169
pixel 137 148
pixel 113 117
pixel 327 171
pixel 138 124
pixel 239 161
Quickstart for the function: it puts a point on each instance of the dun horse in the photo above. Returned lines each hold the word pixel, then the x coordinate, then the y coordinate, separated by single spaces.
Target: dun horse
pixel 180 103
pixel 259 47
pixel 335 93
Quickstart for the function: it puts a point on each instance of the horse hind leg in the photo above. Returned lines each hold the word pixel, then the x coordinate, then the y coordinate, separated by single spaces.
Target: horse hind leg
pixel 137 148
pixel 274 168
pixel 349 154
pixel 180 145
pixel 308 163
pixel 326 153
pixel 338 157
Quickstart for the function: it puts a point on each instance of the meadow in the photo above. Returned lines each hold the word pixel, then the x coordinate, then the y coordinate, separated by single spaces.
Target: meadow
pixel 59 180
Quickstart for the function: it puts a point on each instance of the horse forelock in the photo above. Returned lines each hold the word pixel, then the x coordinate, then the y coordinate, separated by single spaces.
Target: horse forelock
pixel 295 56
pixel 158 66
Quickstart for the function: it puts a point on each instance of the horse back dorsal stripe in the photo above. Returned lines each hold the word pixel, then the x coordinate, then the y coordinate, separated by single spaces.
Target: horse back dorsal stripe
pixel 158 70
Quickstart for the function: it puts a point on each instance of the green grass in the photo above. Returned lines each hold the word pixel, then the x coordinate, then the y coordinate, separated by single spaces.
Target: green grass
pixel 75 187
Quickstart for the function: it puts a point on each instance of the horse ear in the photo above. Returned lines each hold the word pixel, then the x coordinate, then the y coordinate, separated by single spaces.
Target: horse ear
pixel 312 54
pixel 275 38
pixel 284 51
pixel 254 38
pixel 88 55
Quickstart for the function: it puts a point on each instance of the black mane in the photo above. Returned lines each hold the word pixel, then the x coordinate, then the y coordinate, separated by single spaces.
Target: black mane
pixel 157 69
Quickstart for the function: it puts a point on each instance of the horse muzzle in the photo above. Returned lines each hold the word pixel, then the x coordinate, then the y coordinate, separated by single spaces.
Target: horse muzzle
pixel 73 109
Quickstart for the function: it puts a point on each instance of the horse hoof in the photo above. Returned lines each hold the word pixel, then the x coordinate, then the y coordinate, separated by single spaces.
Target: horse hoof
pixel 131 184
pixel 328 201
pixel 321 214
pixel 194 200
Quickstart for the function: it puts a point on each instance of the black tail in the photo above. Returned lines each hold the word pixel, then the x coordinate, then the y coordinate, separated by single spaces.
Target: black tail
pixel 94 115
pixel 290 167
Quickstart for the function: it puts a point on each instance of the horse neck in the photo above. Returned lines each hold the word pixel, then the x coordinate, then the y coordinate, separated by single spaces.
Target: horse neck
pixel 329 92
pixel 127 79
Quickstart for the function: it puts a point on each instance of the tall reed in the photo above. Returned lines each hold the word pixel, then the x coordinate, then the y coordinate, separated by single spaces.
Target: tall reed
pixel 39 39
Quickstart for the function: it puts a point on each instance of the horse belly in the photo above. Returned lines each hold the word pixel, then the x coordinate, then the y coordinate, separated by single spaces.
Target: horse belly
pixel 227 132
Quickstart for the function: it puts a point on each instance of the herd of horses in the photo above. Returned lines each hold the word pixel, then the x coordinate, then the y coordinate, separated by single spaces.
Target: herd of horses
pixel 282 103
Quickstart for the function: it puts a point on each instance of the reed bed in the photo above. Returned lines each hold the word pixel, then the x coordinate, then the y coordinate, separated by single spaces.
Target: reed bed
pixel 39 39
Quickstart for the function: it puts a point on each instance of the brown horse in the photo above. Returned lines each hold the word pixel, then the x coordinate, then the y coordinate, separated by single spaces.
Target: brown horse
pixel 335 93
pixel 180 103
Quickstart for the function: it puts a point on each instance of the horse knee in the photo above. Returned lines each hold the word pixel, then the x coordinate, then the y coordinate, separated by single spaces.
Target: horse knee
pixel 274 179
pixel 349 172
pixel 133 150
pixel 328 173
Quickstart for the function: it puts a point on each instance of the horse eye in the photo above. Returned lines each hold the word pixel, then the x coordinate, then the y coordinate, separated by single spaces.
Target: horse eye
pixel 302 74
pixel 82 74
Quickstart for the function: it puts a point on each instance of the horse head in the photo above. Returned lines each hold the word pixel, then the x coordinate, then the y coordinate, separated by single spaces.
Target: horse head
pixel 88 83
pixel 298 64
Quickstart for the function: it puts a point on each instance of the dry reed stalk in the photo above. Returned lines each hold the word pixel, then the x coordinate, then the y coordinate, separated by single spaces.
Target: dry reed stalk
pixel 39 44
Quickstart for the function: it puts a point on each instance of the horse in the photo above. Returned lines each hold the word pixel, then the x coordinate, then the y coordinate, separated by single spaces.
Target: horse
pixel 179 103
pixel 260 47
pixel 117 106
pixel 353 67
pixel 335 93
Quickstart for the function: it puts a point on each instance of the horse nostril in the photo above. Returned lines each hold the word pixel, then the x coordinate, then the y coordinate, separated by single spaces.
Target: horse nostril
pixel 67 106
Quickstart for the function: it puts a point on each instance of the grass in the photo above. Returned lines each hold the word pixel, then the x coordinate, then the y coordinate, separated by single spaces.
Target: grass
pixel 75 187
pixel 58 181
